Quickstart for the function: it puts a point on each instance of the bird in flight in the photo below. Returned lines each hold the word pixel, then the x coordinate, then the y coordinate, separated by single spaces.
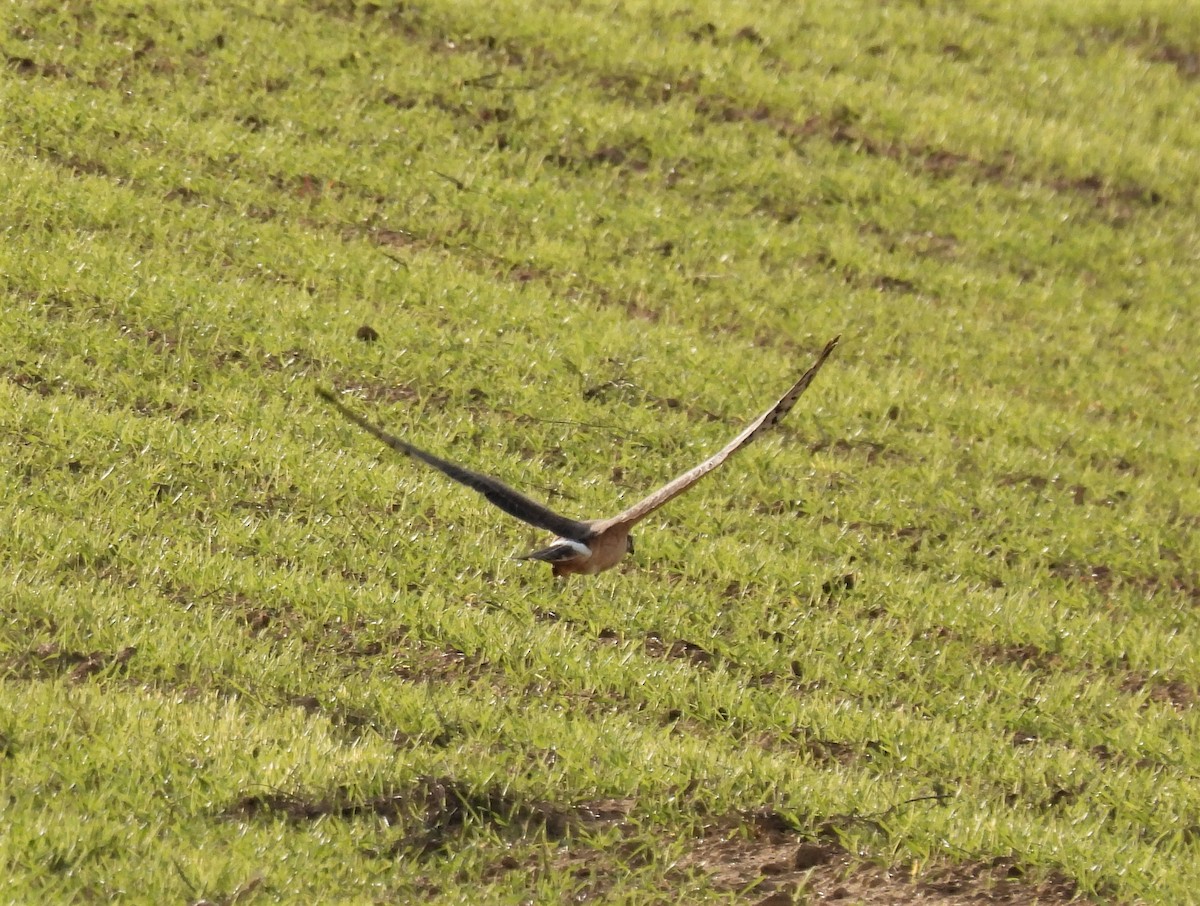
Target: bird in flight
pixel 593 545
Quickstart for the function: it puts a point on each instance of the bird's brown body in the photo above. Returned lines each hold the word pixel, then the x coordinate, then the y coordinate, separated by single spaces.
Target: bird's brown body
pixel 588 547
pixel 605 550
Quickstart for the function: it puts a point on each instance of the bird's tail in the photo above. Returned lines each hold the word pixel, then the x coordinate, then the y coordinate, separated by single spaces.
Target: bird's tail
pixel 559 551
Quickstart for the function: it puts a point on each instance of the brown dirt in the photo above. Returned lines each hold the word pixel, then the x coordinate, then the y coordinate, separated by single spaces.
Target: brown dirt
pixel 760 855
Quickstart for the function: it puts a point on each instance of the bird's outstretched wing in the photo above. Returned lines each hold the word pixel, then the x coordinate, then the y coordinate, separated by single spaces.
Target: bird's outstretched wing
pixel 497 492
pixel 767 420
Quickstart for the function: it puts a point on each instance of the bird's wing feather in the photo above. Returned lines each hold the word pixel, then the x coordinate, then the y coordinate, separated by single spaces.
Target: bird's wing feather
pixel 495 491
pixel 767 420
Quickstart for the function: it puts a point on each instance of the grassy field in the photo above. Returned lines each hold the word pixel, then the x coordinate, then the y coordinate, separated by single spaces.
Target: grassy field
pixel 935 639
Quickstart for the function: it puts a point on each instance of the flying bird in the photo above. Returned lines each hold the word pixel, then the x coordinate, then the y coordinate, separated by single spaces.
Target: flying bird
pixel 593 545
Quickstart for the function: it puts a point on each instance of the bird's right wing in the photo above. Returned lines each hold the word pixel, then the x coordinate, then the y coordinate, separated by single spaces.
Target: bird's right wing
pixel 495 491
pixel 764 422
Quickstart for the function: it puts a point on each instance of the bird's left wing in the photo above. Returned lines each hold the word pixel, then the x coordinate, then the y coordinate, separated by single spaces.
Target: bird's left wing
pixel 495 491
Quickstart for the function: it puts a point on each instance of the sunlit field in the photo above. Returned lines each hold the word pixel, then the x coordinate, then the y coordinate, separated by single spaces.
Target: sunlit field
pixel 934 638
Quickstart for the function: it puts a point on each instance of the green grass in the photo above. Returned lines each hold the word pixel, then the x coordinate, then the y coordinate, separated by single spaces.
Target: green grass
pixel 945 620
